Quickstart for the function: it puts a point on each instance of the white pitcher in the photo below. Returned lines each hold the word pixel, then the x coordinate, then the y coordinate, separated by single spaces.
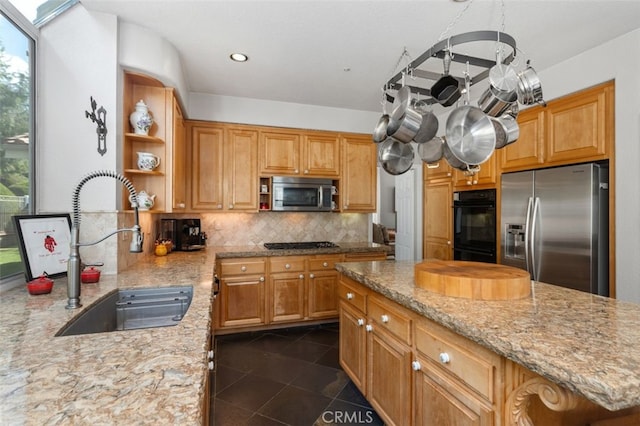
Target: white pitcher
pixel 147 161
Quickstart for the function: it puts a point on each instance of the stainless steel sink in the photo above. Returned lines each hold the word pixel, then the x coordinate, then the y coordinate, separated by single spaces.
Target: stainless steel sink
pixel 132 309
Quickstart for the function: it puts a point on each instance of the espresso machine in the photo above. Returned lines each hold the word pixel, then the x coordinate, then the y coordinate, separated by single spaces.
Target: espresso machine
pixel 186 234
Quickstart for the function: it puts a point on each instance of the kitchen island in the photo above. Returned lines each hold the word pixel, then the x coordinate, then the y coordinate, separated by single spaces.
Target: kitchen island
pixel 575 350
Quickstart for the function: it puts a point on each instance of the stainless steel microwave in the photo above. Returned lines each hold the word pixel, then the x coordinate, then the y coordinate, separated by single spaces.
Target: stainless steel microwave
pixel 302 194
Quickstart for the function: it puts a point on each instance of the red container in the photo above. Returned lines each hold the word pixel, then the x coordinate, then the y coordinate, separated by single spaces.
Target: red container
pixel 90 275
pixel 41 285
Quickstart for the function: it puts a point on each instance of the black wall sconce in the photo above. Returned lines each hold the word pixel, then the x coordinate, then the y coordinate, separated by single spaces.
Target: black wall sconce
pixel 99 117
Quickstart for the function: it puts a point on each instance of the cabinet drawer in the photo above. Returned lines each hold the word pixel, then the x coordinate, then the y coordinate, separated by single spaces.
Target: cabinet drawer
pixel 365 256
pixel 324 263
pixel 468 362
pixel 390 318
pixel 242 267
pixel 354 297
pixel 286 264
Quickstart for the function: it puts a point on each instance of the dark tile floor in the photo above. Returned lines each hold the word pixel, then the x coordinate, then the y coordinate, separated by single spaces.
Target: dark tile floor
pixel 285 377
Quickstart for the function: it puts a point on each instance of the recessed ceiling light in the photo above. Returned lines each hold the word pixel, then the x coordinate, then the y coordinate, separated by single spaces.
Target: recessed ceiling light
pixel 239 57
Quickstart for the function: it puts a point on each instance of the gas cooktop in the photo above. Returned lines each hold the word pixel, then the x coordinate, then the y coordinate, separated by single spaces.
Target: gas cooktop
pixel 300 246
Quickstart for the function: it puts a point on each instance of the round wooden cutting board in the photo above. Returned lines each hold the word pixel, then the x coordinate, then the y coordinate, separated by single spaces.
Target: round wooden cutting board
pixel 473 280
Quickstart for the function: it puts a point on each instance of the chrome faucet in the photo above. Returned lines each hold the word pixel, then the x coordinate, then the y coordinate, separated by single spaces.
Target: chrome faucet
pixel 75 264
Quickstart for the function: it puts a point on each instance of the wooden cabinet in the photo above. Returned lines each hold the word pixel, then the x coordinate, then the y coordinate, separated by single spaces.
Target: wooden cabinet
pixel 359 174
pixel 575 128
pixel 353 344
pixel 438 220
pixel 164 140
pixel 287 288
pixel 323 286
pixel 291 153
pixel 224 167
pixel 439 170
pixel 485 178
pixel 241 300
pixel 180 178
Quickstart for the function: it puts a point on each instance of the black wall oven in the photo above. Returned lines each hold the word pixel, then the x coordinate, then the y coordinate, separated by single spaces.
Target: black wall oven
pixel 474 225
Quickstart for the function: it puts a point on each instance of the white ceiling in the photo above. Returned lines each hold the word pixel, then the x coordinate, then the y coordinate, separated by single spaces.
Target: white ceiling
pixel 299 49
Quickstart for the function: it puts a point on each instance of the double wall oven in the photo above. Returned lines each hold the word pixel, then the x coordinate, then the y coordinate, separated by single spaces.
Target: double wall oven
pixel 474 225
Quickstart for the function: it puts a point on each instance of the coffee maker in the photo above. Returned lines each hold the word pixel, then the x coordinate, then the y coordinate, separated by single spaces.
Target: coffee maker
pixel 186 234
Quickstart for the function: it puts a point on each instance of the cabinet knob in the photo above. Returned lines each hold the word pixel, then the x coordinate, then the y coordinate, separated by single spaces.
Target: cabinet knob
pixel 384 318
pixel 230 206
pixel 287 266
pixel 369 328
pixel 210 354
pixel 301 276
pixel 415 365
pixel 296 171
pixel 475 182
pixel 219 206
pixel 243 268
pixel 360 322
pixel 311 276
pixel 449 243
pixel 306 172
pixel 325 264
pixel 181 205
pixel 261 279
pixel 210 365
pixel 445 358
pixel 349 296
pixel 448 174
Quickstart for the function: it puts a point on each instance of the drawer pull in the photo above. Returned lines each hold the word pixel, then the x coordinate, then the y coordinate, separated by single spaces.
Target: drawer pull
pixel 369 328
pixel 210 365
pixel 384 318
pixel 262 279
pixel 445 358
pixel 360 322
pixel 415 365
pixel 287 266
pixel 301 276
pixel 210 354
pixel 349 296
pixel 325 264
pixel 243 268
pixel 312 276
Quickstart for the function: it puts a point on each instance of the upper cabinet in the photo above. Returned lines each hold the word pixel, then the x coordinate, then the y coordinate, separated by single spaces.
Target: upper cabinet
pixel 575 128
pixel 224 162
pixel 299 153
pixel 165 140
pixel 359 174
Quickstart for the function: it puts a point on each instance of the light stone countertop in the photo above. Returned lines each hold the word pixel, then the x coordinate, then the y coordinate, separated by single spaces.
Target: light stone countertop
pixel 148 376
pixel 586 343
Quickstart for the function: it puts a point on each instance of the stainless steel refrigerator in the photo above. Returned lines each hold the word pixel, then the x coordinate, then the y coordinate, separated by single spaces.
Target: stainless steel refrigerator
pixel 554 224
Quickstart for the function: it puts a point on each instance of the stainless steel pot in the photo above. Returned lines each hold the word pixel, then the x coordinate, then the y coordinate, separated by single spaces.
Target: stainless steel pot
pixel 432 150
pixel 507 130
pixel 529 87
pixel 380 131
pixel 494 103
pixel 470 135
pixel 395 157
pixel 428 128
pixel 405 128
pixel 452 159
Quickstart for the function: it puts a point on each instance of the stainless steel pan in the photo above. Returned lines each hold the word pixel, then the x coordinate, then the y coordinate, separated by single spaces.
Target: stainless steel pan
pixel 395 157
pixel 470 135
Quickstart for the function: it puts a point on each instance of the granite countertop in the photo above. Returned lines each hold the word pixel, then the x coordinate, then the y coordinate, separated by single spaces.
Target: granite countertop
pixel 584 342
pixel 259 251
pixel 148 376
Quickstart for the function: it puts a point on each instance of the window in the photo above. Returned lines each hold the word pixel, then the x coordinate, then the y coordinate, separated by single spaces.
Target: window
pixel 17 136
pixel 39 12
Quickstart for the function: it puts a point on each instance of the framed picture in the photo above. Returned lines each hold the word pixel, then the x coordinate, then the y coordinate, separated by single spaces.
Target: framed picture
pixel 44 243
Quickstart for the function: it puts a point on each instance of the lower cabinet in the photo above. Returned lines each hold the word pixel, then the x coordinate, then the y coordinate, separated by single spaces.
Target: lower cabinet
pixel 256 293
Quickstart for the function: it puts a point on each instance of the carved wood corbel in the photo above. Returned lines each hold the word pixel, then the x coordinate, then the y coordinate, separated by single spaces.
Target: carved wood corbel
pixel 553 396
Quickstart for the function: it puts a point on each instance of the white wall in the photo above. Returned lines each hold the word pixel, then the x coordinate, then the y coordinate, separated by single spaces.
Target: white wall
pixel 618 59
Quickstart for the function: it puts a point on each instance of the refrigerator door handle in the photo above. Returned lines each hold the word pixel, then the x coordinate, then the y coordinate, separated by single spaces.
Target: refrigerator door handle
pixel 536 209
pixel 527 236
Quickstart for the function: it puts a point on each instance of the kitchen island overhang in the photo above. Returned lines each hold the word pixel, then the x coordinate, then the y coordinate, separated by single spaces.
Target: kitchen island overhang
pixel 579 341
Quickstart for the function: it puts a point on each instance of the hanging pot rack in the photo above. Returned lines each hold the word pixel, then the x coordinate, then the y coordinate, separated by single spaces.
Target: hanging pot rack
pixel 438 50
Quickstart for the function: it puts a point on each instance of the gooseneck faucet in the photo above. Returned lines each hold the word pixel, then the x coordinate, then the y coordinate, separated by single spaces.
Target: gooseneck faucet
pixel 75 264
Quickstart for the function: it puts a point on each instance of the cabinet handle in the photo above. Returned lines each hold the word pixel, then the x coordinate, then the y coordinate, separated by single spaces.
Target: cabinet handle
pixel 210 365
pixel 210 354
pixel 306 172
pixel 243 268
pixel 261 279
pixel 219 206
pixel 287 266
pixel 360 322
pixel 415 365
pixel 384 318
pixel 448 174
pixel 445 358
pixel 312 276
pixel 475 182
pixel 349 296
pixel 301 276
pixel 296 171
pixel 369 328
pixel 325 264
pixel 448 243
pixel 181 205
